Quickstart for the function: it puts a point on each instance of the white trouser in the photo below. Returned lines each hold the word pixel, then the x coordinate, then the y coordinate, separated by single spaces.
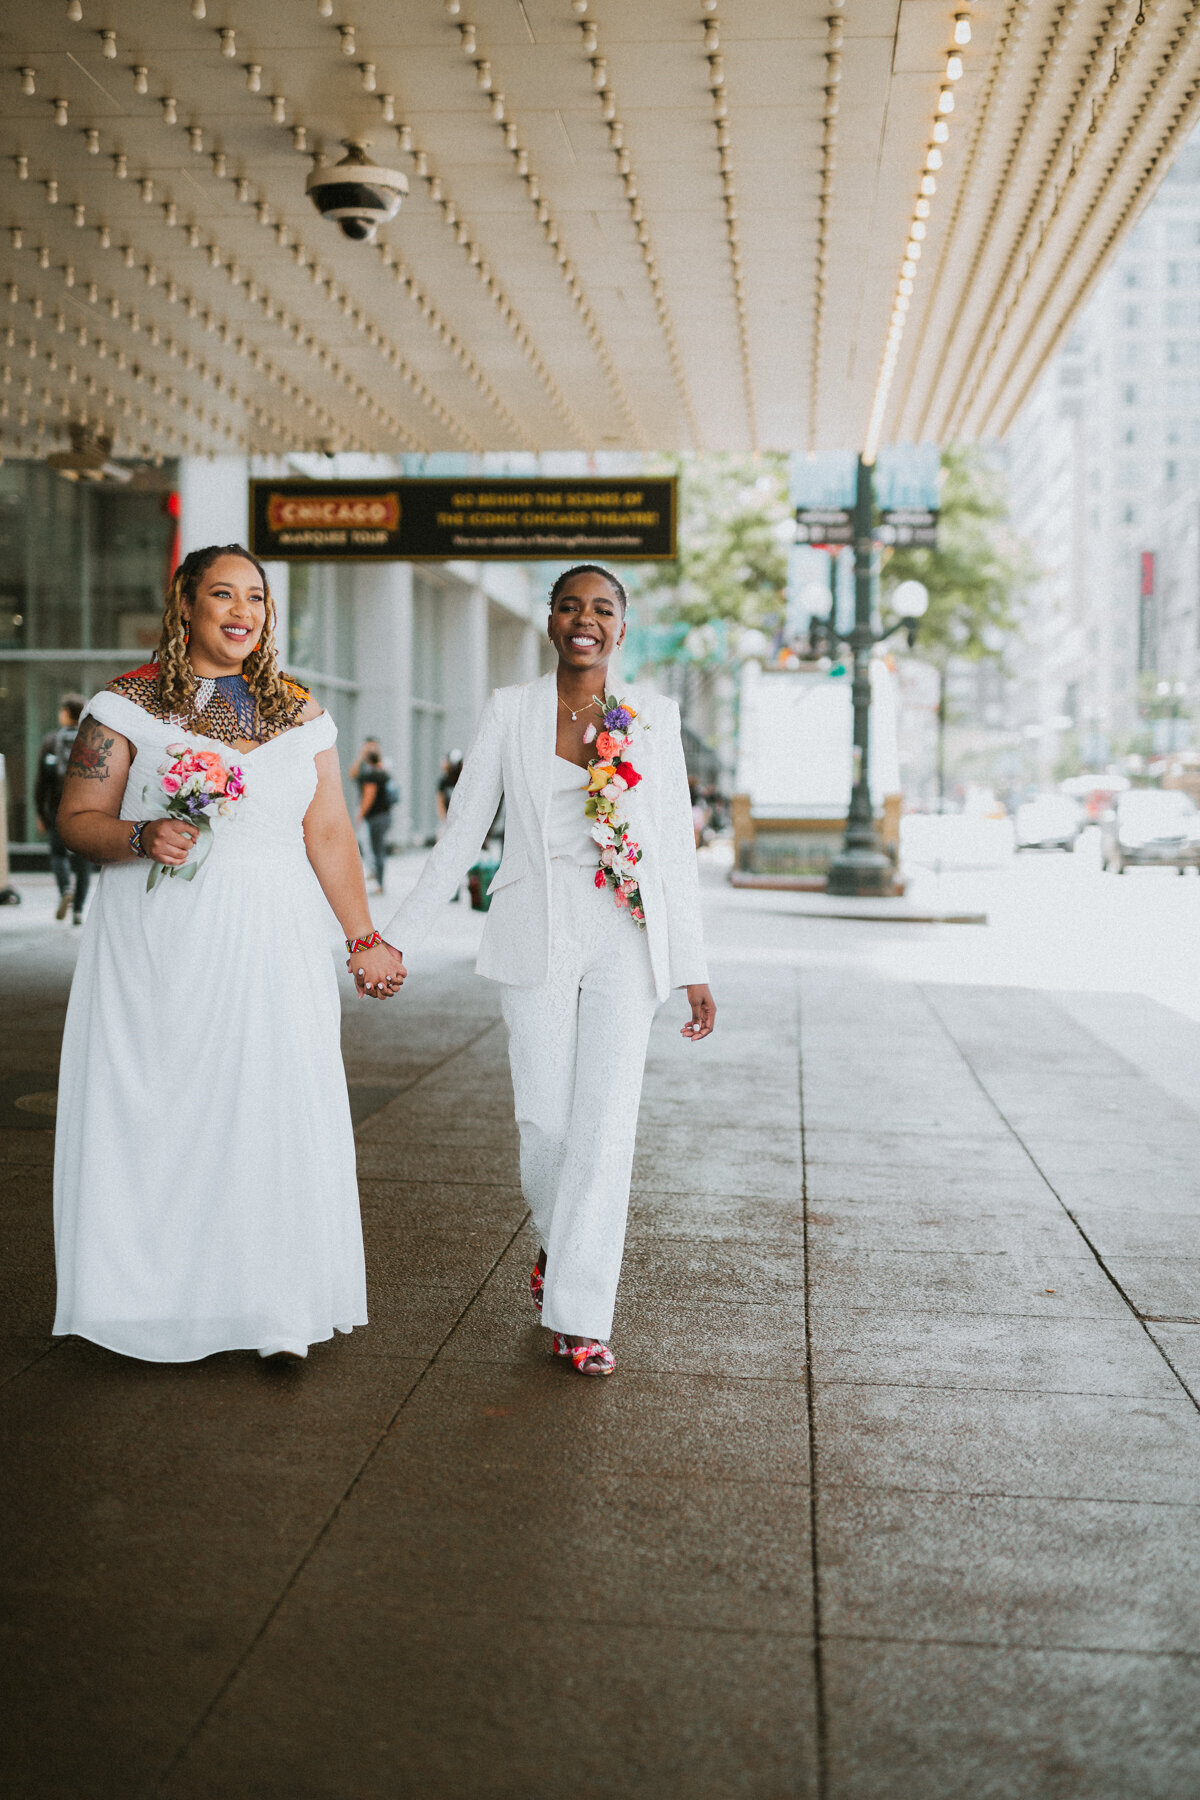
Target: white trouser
pixel 577 1048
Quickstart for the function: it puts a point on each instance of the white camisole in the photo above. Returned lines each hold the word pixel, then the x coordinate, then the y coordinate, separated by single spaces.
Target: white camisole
pixel 569 835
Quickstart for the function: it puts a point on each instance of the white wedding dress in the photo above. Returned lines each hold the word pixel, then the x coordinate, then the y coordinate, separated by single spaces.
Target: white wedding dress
pixel 205 1195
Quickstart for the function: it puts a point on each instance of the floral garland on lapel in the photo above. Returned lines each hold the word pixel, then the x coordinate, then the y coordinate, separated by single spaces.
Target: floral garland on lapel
pixel 610 777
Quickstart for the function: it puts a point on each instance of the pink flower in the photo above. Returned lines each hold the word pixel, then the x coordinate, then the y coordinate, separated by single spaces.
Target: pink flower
pixel 608 745
pixel 609 791
pixel 600 881
pixel 171 784
pixel 619 897
pixel 589 735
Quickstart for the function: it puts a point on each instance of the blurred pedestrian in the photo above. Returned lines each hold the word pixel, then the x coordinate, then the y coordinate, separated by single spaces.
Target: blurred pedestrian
pixel 447 782
pixel 700 812
pixel 70 871
pixel 376 799
pixel 368 744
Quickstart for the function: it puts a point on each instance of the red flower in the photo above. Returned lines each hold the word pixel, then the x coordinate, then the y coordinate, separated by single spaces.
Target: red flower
pixel 600 878
pixel 628 774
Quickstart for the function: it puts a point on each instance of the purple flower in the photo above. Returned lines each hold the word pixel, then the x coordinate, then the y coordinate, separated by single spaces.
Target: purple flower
pixel 617 719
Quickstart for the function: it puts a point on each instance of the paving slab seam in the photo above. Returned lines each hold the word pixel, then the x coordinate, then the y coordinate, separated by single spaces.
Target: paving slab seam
pixel 406 1087
pixel 1099 1260
pixel 32 1363
pixel 979 1387
pixel 320 1536
pixel 678 1628
pixel 977 1493
pixel 820 1710
pixel 1011 1644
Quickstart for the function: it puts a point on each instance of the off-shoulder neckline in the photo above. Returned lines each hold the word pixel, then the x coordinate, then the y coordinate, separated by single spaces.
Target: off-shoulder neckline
pixel 202 737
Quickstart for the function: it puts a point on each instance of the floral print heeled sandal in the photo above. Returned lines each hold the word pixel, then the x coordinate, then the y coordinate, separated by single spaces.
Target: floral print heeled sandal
pixel 537 1282
pixel 589 1358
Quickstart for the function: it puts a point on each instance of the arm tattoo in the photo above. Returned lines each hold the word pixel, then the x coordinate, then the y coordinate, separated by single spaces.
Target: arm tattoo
pixel 90 752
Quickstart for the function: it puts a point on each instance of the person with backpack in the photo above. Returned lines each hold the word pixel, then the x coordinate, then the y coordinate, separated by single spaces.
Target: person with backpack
pixel 377 797
pixel 53 758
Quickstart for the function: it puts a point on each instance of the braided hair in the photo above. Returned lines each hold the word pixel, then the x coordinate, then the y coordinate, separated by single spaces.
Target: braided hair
pixel 274 695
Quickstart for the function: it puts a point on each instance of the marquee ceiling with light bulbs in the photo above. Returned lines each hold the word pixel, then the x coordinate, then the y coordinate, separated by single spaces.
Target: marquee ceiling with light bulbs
pixel 631 224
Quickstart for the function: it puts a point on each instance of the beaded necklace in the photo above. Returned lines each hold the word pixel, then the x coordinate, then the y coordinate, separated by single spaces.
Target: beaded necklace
pixel 236 690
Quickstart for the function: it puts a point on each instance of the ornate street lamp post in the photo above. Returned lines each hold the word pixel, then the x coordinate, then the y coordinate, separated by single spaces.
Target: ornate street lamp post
pixel 861 867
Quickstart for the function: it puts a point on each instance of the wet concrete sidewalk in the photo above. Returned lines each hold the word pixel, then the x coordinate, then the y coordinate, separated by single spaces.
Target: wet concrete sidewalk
pixel 961 1561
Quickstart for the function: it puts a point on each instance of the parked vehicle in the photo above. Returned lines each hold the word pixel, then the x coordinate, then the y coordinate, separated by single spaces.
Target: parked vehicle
pixel 1152 828
pixel 1048 822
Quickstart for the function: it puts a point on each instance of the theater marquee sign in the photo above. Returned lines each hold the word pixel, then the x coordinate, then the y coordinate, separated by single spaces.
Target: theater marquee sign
pixel 485 520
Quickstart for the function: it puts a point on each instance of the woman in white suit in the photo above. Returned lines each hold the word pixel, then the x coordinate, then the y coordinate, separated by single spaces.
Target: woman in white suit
pixel 593 920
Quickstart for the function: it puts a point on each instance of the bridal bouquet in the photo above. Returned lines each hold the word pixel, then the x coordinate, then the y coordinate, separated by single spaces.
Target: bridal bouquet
pixel 611 776
pixel 193 785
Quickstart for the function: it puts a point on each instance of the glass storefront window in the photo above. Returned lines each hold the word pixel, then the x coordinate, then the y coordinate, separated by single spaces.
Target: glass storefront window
pixel 29 696
pixel 83 568
pixel 321 618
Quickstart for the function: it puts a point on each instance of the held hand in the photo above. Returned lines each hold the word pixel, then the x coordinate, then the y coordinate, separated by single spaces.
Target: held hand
pixel 168 841
pixel 377 973
pixel 704 1013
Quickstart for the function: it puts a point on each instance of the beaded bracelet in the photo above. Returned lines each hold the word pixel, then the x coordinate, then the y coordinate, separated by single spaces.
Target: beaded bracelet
pixel 354 945
pixel 135 839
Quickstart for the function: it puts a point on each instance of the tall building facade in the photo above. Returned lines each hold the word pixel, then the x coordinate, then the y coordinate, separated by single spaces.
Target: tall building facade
pixel 1104 480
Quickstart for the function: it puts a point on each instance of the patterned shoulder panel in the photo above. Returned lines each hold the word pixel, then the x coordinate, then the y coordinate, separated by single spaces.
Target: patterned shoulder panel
pixel 141 686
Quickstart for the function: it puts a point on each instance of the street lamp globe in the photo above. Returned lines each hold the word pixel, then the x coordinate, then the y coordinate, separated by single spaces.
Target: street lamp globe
pixel 911 600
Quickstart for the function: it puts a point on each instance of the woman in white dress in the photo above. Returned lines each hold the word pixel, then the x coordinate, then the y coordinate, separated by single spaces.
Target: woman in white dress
pixel 595 918
pixel 204 1181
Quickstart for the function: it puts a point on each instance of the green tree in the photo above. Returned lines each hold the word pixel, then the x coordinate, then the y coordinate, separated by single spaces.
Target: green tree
pixel 975 577
pixel 732 561
pixel 978 571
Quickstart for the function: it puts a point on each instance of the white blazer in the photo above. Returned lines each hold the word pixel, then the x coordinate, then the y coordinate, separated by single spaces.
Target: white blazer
pixel 513 755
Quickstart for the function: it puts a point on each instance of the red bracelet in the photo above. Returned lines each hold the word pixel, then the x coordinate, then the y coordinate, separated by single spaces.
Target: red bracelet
pixel 354 945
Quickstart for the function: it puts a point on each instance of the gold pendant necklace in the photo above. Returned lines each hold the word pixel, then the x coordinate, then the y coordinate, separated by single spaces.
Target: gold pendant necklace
pixel 590 707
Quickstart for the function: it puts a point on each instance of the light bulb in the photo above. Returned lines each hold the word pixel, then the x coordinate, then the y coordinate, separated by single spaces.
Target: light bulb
pixel 933 159
pixel 962 28
pixel 946 100
pixel 941 135
pixel 954 68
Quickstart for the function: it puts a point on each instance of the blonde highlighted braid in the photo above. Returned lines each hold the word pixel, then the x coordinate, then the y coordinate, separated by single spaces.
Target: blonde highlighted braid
pixel 274 694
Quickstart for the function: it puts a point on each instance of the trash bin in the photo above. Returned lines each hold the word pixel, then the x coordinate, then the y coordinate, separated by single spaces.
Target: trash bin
pixel 479 880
